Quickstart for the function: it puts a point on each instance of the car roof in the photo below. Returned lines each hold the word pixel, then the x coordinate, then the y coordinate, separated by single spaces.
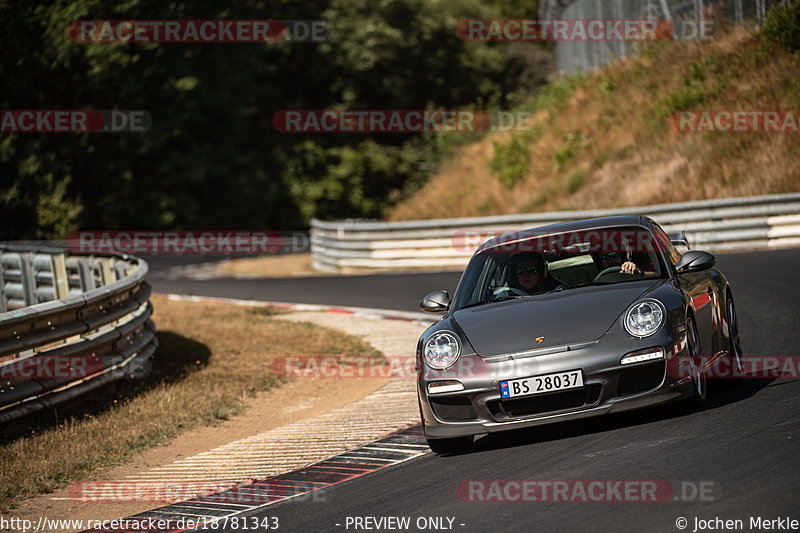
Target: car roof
pixel 561 227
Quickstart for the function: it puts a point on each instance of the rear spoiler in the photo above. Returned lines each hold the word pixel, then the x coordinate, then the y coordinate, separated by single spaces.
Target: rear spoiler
pixel 679 238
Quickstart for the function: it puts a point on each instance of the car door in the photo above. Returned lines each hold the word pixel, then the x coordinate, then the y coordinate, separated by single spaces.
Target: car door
pixel 699 289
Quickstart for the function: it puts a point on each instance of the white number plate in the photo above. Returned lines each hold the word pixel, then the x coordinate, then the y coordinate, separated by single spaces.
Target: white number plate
pixel 572 379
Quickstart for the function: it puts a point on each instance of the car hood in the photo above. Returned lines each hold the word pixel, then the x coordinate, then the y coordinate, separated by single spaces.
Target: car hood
pixel 572 316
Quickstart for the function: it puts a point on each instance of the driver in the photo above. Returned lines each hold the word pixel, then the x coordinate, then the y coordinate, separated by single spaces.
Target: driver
pixel 529 273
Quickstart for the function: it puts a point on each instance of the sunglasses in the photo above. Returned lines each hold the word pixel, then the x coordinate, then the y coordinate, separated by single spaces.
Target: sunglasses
pixel 533 269
pixel 608 257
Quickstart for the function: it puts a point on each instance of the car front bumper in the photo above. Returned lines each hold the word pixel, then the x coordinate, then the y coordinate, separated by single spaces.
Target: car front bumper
pixel 609 386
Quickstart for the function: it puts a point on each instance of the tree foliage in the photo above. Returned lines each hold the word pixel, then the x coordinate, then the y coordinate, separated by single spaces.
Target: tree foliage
pixel 782 26
pixel 212 158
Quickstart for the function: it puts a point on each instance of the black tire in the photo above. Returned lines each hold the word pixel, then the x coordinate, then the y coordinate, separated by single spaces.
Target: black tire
pixel 735 353
pixel 699 380
pixel 452 445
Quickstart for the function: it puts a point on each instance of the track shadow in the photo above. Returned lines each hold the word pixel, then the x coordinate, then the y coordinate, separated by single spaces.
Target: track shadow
pixel 176 357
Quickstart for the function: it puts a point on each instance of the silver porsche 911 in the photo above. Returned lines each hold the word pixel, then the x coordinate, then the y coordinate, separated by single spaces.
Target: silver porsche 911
pixel 568 321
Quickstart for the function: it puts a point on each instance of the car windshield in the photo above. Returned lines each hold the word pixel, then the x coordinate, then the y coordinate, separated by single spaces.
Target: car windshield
pixel 535 263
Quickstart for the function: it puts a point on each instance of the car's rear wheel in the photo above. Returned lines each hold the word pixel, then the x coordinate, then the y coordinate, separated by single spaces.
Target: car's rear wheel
pixel 735 354
pixel 696 363
pixel 451 445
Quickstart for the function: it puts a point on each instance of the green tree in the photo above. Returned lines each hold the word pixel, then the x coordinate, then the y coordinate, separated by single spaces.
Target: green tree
pixel 212 158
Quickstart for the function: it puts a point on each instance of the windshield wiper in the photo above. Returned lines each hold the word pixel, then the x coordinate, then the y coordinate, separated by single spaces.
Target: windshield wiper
pixel 587 284
pixel 558 289
pixel 494 300
pixel 504 298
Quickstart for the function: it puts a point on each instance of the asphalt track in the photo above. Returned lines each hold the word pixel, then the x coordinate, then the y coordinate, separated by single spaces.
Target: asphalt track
pixel 736 458
pixel 400 292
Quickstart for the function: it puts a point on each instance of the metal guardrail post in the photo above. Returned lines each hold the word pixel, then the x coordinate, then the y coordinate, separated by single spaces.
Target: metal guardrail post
pixel 119 270
pixel 60 281
pixel 86 275
pixel 107 274
pixel 27 278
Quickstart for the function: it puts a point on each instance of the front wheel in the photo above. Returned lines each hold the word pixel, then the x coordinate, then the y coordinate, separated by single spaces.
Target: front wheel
pixel 452 445
pixel 735 352
pixel 696 363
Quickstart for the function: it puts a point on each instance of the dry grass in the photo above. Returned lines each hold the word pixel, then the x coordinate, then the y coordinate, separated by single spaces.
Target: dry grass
pixel 607 143
pixel 279 266
pixel 212 358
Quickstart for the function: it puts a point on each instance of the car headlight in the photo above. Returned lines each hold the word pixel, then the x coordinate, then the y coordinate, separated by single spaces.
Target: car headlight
pixel 442 350
pixel 644 318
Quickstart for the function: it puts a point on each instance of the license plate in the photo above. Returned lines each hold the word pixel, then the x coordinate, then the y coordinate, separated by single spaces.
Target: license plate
pixel 511 388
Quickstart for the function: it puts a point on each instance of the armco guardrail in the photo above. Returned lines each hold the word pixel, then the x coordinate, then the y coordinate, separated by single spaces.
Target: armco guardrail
pixel 68 325
pixel 714 225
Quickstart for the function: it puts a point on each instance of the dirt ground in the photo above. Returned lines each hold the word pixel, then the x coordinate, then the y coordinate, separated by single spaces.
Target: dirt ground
pixel 279 266
pixel 298 400
pixel 295 265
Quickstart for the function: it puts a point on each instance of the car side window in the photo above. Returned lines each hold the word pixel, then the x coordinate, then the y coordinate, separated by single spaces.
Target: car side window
pixel 663 241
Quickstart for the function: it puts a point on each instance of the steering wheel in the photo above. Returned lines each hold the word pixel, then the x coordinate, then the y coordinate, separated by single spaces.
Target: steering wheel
pixel 616 270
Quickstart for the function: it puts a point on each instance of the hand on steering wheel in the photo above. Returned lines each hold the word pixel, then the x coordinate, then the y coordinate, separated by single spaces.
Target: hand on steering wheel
pixel 629 267
pixel 616 269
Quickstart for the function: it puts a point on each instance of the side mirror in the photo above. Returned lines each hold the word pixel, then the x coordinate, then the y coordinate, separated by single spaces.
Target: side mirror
pixel 695 261
pixel 435 302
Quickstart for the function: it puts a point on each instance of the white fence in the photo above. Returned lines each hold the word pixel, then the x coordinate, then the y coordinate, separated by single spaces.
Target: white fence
pixel 715 225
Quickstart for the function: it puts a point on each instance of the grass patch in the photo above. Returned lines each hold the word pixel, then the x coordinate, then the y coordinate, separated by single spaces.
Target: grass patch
pixel 511 160
pixel 211 359
pixel 576 180
pixel 555 96
pixel 573 144
pixel 702 82
pixel 610 125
